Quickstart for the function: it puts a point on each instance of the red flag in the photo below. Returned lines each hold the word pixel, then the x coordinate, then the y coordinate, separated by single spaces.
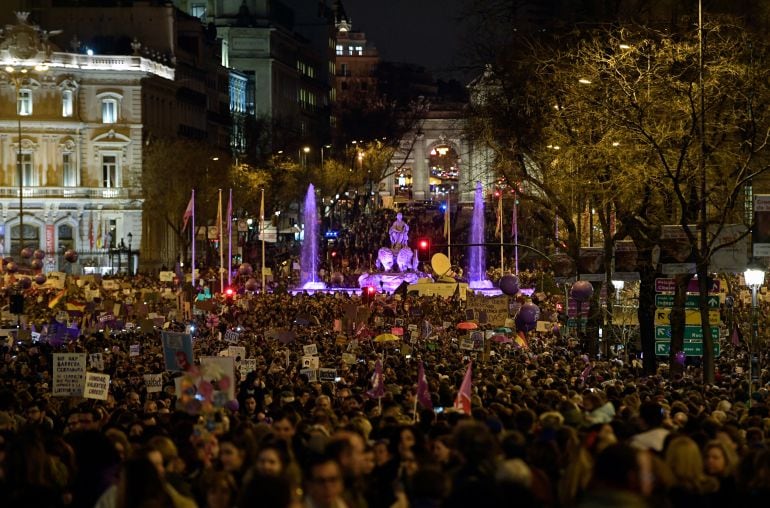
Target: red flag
pixel 463 399
pixel 521 340
pixel 91 231
pixel 188 212
pixel 378 382
pixel 423 391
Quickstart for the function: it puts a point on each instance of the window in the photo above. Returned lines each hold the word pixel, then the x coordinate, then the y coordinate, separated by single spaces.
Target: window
pixel 109 110
pixel 67 103
pixel 69 172
pixel 340 50
pixel 198 10
pixel 344 70
pixel 27 171
pixel 359 51
pixel 66 240
pixel 110 171
pixel 24 102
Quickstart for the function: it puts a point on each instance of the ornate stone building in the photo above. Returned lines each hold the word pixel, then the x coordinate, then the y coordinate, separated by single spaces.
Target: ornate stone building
pixel 71 149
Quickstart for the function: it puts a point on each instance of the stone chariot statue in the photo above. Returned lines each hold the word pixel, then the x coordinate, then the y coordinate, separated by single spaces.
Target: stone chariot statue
pixel 399 250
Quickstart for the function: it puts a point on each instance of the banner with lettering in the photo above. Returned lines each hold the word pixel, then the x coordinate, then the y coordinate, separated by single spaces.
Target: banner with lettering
pixel 69 374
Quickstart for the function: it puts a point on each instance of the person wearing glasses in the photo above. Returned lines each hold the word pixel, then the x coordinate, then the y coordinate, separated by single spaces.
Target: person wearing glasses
pixel 323 483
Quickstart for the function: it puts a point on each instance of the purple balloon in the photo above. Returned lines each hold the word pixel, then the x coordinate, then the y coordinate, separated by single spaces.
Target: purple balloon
pixel 38 254
pixel 582 291
pixel 680 357
pixel 40 278
pixel 36 264
pixel 245 269
pixel 26 252
pixel 25 283
pixel 232 405
pixel 12 267
pixel 526 319
pixel 509 284
pixel 7 260
pixel 251 285
pixel 71 255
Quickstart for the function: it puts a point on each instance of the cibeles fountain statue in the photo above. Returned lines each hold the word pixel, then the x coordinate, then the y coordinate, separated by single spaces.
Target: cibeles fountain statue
pixel 399 255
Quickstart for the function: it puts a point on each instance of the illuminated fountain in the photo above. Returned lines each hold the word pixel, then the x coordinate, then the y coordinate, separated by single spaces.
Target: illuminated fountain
pixel 477 259
pixel 309 253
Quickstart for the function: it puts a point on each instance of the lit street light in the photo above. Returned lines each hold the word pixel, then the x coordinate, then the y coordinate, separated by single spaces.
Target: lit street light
pixel 754 277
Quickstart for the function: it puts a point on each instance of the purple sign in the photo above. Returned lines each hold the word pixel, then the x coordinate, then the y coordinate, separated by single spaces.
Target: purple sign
pixel 669 286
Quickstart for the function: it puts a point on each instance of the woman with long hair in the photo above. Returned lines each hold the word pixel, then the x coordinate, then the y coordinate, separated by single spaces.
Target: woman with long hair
pixel 692 486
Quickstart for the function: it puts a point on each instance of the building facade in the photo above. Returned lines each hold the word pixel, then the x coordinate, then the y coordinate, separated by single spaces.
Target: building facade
pixel 71 150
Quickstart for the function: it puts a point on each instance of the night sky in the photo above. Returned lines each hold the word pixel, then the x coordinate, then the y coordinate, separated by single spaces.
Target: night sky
pixel 424 32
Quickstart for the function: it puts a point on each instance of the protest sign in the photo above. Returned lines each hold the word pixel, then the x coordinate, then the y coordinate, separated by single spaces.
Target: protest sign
pixel 97 386
pixel 310 350
pixel 311 374
pixel 153 382
pixel 134 350
pixel 232 336
pixel 177 351
pixel 494 310
pixel 220 372
pixel 327 374
pixel 236 352
pixel 348 358
pixel 96 361
pixel 248 365
pixel 310 362
pixel 69 374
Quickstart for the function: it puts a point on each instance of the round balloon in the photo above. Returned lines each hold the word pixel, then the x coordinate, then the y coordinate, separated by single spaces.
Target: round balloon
pixel 71 256
pixel 232 405
pixel 12 267
pixel 36 264
pixel 523 325
pixel 26 252
pixel 251 285
pixel 529 312
pixel 680 357
pixel 582 291
pixel 40 278
pixel 38 254
pixel 25 283
pixel 509 284
pixel 245 269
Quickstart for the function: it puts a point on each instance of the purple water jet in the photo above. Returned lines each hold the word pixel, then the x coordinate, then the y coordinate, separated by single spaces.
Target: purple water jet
pixel 309 251
pixel 477 265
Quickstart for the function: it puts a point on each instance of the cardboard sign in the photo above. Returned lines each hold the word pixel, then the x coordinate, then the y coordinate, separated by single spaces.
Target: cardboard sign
pixel 310 350
pixel 69 374
pixel 232 336
pixel 134 350
pixel 220 372
pixel 97 386
pixel 177 351
pixel 248 365
pixel 236 352
pixel 97 361
pixel 166 276
pixel 349 358
pixel 312 374
pixel 310 362
pixel 153 382
pixel 327 374
pixel 494 310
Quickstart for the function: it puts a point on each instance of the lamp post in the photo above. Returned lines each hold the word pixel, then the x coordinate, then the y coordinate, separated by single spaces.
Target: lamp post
pixel 130 255
pixel 322 154
pixel 754 277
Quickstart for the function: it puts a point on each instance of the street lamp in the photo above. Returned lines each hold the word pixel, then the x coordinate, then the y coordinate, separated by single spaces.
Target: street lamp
pixel 618 285
pixel 322 154
pixel 754 277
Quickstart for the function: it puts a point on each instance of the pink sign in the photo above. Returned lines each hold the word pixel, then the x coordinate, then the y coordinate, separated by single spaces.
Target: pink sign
pixel 50 248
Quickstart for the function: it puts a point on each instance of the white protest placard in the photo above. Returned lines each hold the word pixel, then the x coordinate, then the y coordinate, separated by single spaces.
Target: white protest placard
pixel 134 350
pixel 466 343
pixel 97 361
pixel 232 336
pixel 310 350
pixel 327 374
pixel 236 351
pixel 220 372
pixel 311 374
pixel 248 365
pixel 153 382
pixel 97 386
pixel 166 276
pixel 310 362
pixel 348 358
pixel 110 284
pixel 69 374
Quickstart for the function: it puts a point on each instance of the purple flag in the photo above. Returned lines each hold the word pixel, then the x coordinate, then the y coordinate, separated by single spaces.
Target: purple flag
pixel 736 336
pixel 378 382
pixel 423 391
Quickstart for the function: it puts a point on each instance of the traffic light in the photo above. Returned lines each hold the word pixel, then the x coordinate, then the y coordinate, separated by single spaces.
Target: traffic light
pixel 423 244
pixel 367 295
pixel 229 296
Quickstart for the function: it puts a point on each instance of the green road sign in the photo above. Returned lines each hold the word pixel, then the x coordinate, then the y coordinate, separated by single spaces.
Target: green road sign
pixel 692 301
pixel 573 322
pixel 690 332
pixel 694 348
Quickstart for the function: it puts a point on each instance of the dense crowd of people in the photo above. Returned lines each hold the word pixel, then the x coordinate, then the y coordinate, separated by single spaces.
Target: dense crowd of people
pixel 548 426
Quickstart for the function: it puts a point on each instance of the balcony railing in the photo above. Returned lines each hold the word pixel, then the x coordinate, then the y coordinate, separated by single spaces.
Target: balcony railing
pixel 72 192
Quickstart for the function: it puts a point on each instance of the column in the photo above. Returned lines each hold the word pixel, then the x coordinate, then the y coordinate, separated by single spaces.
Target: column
pixel 420 180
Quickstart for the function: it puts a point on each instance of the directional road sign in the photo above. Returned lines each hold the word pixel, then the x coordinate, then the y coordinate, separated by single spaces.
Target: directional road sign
pixel 690 332
pixel 669 286
pixel 692 301
pixel 691 317
pixel 690 348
